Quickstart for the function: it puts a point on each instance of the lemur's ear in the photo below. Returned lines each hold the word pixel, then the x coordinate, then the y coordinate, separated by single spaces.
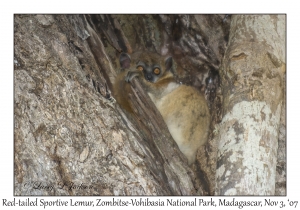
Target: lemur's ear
pixel 124 60
pixel 169 63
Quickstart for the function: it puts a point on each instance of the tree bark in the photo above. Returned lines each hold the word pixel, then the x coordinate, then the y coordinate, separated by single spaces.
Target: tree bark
pixel 70 138
pixel 252 75
pixel 67 133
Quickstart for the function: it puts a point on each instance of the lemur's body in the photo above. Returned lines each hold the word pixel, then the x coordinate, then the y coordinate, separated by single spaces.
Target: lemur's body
pixel 182 107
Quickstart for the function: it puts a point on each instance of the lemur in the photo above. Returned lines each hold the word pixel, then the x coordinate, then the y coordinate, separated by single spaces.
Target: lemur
pixel 183 108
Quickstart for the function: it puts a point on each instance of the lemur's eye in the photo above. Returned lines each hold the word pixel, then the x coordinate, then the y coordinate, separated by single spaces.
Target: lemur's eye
pixel 140 68
pixel 156 71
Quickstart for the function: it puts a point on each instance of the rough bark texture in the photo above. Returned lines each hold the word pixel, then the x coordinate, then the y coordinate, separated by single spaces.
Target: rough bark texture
pixel 70 138
pixel 281 153
pixel 252 77
pixel 65 131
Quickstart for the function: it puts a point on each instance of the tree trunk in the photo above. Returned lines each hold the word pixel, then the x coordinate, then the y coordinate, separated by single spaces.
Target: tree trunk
pixel 70 138
pixel 252 77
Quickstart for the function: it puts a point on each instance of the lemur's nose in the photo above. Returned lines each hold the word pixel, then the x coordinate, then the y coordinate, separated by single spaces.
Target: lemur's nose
pixel 149 77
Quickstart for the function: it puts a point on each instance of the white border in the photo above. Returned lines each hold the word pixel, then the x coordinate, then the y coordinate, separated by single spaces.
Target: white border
pixel 153 6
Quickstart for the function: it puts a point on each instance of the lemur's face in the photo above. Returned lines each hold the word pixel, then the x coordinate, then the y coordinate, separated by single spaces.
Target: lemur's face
pixel 152 72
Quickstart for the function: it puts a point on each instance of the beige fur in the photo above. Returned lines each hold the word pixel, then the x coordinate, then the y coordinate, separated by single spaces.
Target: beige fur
pixel 186 114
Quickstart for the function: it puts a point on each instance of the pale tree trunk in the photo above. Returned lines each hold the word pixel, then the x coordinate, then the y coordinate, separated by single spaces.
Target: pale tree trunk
pixel 252 75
